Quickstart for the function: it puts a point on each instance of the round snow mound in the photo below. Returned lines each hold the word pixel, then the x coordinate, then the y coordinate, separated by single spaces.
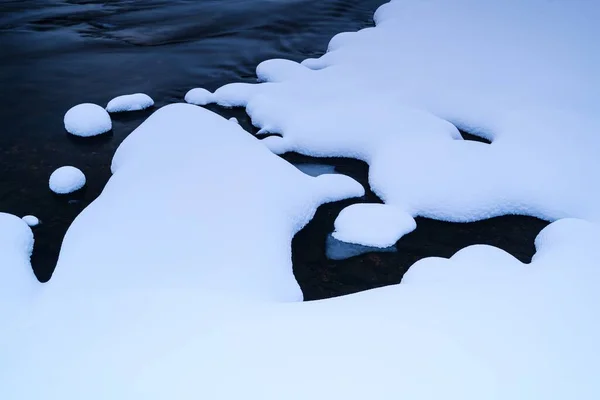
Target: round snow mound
pixel 130 102
pixel 199 97
pixel 66 180
pixel 87 120
pixel 31 220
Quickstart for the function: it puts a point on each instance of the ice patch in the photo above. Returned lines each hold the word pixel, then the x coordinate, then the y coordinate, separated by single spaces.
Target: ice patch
pixel 31 220
pixel 338 250
pixel 87 120
pixel 130 102
pixel 373 225
pixel 199 97
pixel 315 169
pixel 66 180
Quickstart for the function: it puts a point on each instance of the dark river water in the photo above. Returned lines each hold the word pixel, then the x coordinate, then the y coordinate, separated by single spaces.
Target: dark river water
pixel 59 53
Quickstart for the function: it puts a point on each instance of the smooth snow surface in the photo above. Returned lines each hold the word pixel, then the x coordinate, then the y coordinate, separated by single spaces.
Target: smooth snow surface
pixel 199 97
pixel 177 281
pixel 375 225
pixel 87 120
pixel 66 180
pixel 31 220
pixel 130 102
pixel 234 120
pixel 17 282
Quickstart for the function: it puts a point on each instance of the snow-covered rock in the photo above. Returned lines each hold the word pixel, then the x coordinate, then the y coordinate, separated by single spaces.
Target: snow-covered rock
pixel 234 120
pixel 66 180
pixel 87 119
pixel 31 220
pixel 199 97
pixel 374 225
pixel 130 102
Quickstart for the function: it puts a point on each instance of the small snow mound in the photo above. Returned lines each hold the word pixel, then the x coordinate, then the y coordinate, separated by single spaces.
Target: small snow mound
pixel 234 120
pixel 87 120
pixel 373 225
pixel 130 102
pixel 278 70
pixel 66 180
pixel 199 97
pixel 31 220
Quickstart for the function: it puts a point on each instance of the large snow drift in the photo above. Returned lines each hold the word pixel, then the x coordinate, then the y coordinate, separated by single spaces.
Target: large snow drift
pixel 177 281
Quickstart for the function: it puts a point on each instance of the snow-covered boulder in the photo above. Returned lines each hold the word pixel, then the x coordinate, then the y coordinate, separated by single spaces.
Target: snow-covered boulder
pixel 31 220
pixel 87 119
pixel 66 180
pixel 373 225
pixel 130 102
pixel 199 97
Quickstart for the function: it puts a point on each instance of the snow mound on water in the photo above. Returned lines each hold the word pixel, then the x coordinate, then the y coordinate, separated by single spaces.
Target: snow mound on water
pixel 130 102
pixel 31 220
pixel 198 96
pixel 375 225
pixel 66 180
pixel 87 120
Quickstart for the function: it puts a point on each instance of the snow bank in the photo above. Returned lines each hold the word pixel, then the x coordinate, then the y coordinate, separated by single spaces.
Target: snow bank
pixel 17 281
pixel 31 220
pixel 87 120
pixel 182 267
pixel 130 102
pixel 199 97
pixel 66 180
pixel 375 225
pixel 385 95
pixel 202 202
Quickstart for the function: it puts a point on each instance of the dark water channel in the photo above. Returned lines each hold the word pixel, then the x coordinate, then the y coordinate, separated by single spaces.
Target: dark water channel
pixel 59 53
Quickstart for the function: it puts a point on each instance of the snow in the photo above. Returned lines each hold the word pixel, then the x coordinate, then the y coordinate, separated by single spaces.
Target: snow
pixel 130 102
pixel 234 120
pixel 17 282
pixel 31 220
pixel 181 268
pixel 199 97
pixel 87 120
pixel 374 225
pixel 66 180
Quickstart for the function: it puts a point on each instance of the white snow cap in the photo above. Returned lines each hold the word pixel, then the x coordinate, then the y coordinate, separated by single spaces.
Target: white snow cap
pixel 234 120
pixel 66 180
pixel 199 97
pixel 374 225
pixel 31 220
pixel 87 120
pixel 130 102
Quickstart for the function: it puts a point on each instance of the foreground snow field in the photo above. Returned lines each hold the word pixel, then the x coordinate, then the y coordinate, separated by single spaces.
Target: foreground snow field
pixel 177 283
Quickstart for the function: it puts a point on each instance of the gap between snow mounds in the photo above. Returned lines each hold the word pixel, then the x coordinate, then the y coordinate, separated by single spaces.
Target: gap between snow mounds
pixel 321 277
